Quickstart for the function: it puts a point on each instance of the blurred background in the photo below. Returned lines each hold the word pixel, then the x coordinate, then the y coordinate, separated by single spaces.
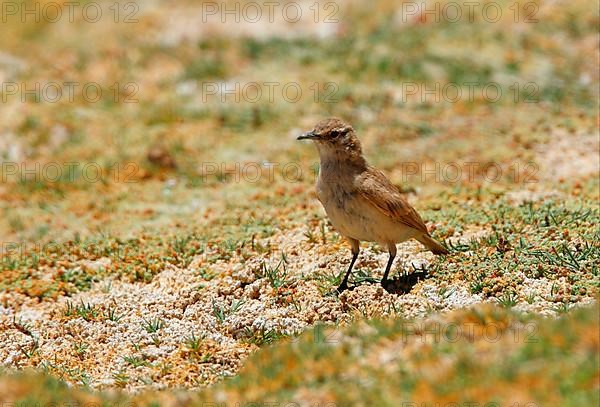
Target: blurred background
pixel 137 136
pixel 143 96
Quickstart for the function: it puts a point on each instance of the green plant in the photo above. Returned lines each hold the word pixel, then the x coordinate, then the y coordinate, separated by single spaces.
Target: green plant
pixel 80 349
pixel 508 299
pixel 135 361
pixel 262 336
pixel 86 311
pixel 278 275
pixel 193 343
pixel 221 313
pixel 327 279
pixel 69 309
pixel 31 350
pixel 562 308
pixel 121 378
pixel 155 340
pixel 112 315
pixel 152 325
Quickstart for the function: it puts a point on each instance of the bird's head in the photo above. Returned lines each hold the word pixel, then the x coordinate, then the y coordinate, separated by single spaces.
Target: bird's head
pixel 334 137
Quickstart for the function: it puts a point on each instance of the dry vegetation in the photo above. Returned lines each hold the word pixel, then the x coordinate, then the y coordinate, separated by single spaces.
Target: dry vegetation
pixel 202 242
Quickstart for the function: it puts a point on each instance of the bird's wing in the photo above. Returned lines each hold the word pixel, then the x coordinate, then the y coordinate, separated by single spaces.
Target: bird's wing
pixel 375 188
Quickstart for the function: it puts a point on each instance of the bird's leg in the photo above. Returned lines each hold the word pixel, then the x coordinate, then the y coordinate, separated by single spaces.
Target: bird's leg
pixel 355 250
pixel 392 249
pixel 344 285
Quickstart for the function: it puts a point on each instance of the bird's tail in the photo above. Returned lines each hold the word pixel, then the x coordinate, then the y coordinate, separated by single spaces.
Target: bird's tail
pixel 432 244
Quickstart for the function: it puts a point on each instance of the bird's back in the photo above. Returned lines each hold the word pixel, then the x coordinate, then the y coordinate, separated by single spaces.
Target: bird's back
pixel 374 187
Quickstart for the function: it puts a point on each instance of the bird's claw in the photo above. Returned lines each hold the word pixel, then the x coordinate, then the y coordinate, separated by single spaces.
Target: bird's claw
pixel 342 287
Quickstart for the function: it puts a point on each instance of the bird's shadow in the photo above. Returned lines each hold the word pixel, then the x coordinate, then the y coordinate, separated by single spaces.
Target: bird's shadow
pixel 401 284
pixel 404 283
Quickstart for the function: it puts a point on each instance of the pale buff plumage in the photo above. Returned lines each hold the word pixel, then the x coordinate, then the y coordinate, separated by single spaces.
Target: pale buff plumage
pixel 360 201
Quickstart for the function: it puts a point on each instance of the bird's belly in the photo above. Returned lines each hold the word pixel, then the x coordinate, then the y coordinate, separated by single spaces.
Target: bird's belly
pixel 355 218
pixel 352 222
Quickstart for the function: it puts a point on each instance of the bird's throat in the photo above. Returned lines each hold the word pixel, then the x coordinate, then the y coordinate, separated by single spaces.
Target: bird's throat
pixel 336 163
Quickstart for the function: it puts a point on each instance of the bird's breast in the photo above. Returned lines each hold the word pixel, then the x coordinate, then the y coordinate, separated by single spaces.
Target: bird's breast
pixel 335 193
pixel 342 206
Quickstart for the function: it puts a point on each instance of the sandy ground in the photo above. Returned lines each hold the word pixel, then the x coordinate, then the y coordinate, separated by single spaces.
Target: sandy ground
pixel 223 313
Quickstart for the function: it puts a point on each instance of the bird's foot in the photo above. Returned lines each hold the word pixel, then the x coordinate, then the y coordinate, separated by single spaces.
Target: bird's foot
pixel 343 287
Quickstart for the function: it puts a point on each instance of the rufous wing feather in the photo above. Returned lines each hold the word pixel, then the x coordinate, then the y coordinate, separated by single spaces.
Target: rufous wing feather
pixel 374 187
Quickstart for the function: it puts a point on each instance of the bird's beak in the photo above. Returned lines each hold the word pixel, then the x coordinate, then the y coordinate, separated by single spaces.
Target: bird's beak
pixel 309 135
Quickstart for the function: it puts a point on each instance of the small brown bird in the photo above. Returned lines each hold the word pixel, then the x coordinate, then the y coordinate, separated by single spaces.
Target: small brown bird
pixel 360 201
